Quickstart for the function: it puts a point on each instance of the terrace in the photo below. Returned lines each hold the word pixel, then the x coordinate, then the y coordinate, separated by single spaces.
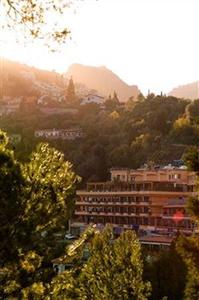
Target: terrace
pixel 138 186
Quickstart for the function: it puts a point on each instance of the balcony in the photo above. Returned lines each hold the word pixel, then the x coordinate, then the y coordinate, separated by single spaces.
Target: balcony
pixel 110 203
pixel 171 217
pixel 81 213
pixel 139 186
pixel 144 203
pixel 103 213
pixel 174 193
pixel 143 214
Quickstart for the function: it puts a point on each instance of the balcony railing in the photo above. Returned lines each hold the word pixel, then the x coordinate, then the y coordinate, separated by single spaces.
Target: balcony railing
pixel 95 203
pixel 171 216
pixel 105 213
pixel 139 186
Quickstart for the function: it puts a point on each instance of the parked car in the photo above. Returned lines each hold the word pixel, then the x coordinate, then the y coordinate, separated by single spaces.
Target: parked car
pixel 69 236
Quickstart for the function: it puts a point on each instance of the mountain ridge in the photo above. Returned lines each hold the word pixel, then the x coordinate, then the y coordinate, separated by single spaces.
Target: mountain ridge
pixel 103 80
pixel 186 91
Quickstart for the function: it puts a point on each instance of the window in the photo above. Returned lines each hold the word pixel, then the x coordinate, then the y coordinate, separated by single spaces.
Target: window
pixel 177 176
pixel 146 199
pixel 123 177
pixel 138 199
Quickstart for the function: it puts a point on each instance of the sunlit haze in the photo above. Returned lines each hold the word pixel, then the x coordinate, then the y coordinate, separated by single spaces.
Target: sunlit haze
pixel 151 43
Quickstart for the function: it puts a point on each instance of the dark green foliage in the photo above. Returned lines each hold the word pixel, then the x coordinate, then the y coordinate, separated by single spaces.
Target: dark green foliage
pixel 191 158
pixel 167 274
pixel 112 103
pixel 188 247
pixel 114 270
pixel 36 201
pixel 12 186
pixel 193 110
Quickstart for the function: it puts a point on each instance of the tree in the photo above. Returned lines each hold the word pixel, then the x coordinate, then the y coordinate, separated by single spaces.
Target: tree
pixel 36 200
pixel 140 97
pixel 167 274
pixel 112 271
pixel 114 115
pixel 130 104
pixel 191 157
pixel 150 96
pixel 188 247
pixel 115 97
pixel 119 156
pixel 12 186
pixel 70 92
pixel 111 103
pixel 37 18
pixel 192 110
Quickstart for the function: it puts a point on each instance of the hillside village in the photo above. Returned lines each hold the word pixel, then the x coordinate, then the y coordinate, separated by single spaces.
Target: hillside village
pixel 48 107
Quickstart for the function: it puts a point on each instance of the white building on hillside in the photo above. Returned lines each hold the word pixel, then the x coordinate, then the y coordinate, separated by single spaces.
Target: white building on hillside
pixel 8 109
pixel 91 98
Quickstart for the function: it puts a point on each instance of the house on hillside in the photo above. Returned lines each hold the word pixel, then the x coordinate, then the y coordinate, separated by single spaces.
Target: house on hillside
pixel 42 100
pixel 8 100
pixel 48 89
pixel 14 101
pixel 92 98
pixel 8 109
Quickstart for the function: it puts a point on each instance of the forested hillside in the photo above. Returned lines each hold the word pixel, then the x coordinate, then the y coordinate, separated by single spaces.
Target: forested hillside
pixel 154 130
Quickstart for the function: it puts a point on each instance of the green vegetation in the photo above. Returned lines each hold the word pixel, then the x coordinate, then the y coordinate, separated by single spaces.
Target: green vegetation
pixel 188 247
pixel 156 130
pixel 37 199
pixel 112 271
pixel 167 273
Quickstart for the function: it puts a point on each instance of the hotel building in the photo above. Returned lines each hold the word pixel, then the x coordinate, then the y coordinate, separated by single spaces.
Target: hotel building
pixel 144 198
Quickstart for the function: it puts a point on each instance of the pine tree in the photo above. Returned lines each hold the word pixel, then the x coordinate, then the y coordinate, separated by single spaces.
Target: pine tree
pixel 115 97
pixel 111 103
pixel 140 97
pixel 70 92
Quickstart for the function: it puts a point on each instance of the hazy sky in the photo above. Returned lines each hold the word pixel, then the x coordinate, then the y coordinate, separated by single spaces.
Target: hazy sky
pixel 151 43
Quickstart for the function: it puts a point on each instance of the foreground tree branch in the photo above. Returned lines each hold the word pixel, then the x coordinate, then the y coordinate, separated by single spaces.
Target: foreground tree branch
pixel 37 19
